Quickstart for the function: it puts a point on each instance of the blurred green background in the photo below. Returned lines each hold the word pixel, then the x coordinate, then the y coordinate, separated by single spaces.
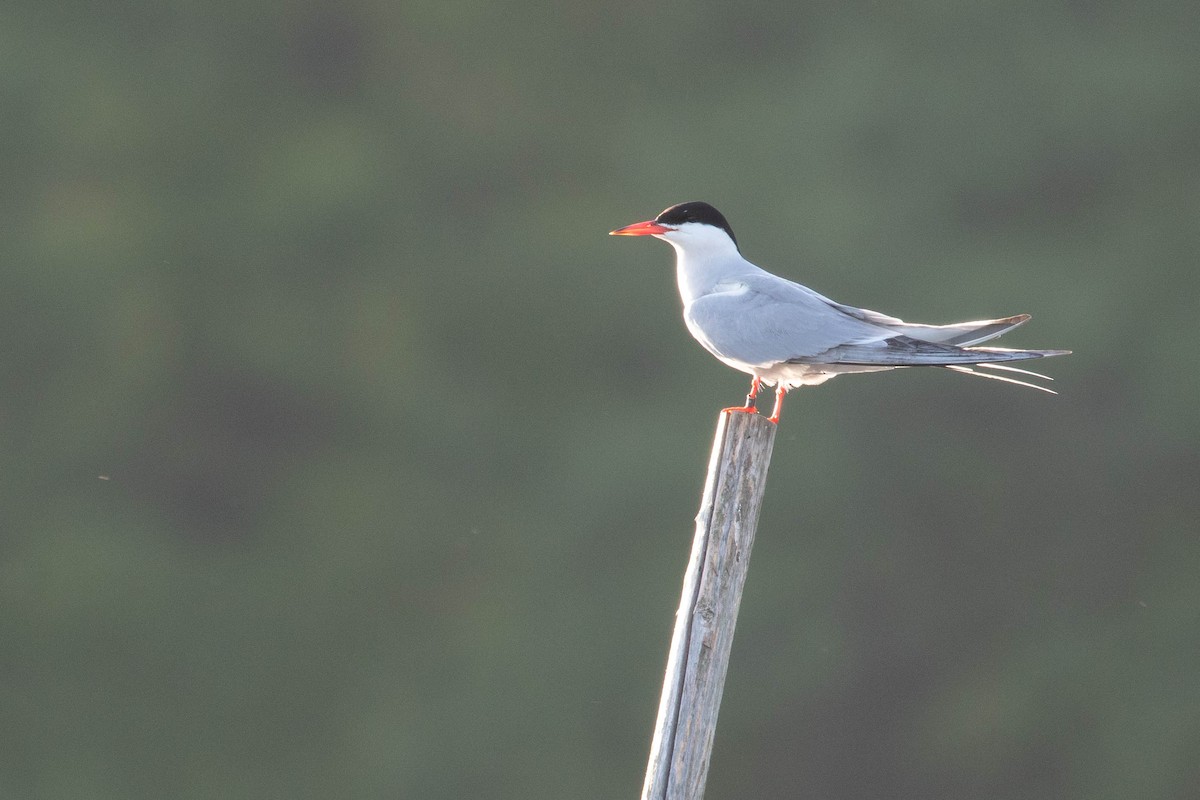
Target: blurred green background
pixel 345 455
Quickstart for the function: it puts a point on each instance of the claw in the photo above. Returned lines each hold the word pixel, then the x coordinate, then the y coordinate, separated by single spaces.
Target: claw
pixel 740 409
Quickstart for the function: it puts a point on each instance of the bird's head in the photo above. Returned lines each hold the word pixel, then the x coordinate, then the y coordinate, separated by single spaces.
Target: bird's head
pixel 688 226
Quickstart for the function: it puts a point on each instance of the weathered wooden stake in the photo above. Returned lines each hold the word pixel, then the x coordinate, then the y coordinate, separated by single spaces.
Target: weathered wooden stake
pixel 712 591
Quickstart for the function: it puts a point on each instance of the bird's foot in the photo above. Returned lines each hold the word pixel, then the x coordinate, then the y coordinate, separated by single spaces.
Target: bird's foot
pixel 748 409
pixel 751 406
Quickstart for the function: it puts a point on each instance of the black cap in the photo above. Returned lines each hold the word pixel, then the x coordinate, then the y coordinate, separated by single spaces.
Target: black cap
pixel 695 212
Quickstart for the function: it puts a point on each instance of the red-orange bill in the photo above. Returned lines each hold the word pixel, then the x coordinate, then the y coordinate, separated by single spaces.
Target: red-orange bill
pixel 647 228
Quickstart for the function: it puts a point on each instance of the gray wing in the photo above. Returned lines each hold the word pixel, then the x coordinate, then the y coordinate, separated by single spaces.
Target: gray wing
pixel 904 351
pixel 763 320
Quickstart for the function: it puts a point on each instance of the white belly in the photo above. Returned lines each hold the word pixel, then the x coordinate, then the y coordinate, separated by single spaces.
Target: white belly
pixel 793 375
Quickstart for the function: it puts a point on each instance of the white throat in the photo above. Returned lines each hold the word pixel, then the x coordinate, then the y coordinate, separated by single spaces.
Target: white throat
pixel 704 257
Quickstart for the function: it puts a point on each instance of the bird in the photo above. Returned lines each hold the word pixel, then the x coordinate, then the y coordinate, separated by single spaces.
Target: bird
pixel 786 335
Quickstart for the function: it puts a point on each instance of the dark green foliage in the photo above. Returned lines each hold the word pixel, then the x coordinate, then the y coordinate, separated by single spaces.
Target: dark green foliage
pixel 345 455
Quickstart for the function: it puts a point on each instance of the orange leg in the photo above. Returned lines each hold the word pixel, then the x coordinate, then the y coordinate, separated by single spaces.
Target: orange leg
pixel 751 407
pixel 780 391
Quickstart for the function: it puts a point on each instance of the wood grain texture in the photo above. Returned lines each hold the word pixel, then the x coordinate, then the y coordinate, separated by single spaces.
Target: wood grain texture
pixel 712 592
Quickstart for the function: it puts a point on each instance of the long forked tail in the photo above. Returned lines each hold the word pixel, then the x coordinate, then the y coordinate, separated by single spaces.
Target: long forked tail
pixel 905 351
pixel 962 359
pixel 991 365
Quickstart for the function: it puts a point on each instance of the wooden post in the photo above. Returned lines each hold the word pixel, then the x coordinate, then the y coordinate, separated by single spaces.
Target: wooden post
pixel 712 591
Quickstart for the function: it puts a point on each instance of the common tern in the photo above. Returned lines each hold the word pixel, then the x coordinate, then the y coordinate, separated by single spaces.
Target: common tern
pixel 786 335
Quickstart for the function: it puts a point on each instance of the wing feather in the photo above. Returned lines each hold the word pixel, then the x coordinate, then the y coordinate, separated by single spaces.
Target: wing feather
pixel 761 320
pixel 764 320
pixel 904 351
